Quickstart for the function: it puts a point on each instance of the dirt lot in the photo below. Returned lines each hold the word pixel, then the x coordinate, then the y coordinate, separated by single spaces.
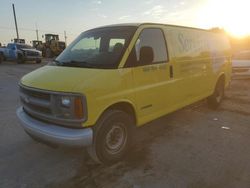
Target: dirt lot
pixel 192 148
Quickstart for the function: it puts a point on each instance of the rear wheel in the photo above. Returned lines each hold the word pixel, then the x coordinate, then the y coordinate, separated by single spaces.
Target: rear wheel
pixel 215 100
pixel 1 58
pixel 48 53
pixel 112 137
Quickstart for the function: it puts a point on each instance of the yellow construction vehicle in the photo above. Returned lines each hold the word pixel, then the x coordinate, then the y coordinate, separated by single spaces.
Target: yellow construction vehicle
pixel 52 46
pixel 19 41
pixel 37 44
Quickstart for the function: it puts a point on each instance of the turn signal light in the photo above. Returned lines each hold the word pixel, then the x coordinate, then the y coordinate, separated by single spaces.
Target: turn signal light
pixel 78 108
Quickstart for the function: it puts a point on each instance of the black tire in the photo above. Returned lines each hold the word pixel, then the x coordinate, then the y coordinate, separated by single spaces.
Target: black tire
pixel 216 98
pixel 43 52
pixel 20 59
pixel 1 58
pixel 112 137
pixel 48 53
pixel 38 61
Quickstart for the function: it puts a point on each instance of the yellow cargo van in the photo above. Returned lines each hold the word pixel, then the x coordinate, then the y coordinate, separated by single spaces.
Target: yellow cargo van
pixel 113 78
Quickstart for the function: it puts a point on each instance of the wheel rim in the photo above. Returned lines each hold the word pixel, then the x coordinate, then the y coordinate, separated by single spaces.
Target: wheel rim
pixel 116 139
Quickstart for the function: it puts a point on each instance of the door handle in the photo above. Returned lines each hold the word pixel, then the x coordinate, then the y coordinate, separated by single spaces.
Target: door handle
pixel 171 72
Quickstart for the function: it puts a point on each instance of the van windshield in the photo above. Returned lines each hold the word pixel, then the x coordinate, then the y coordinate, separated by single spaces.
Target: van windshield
pixel 97 48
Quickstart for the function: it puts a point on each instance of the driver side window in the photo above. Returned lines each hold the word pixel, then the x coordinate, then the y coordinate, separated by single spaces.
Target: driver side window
pixel 150 38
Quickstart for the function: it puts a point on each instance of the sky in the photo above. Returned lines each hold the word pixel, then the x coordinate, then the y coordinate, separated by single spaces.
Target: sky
pixel 76 16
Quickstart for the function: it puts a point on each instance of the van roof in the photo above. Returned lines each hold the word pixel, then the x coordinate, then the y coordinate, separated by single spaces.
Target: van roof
pixel 148 23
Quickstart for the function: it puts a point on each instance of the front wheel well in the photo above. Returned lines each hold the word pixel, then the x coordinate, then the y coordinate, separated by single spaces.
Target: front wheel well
pixel 125 107
pixel 20 55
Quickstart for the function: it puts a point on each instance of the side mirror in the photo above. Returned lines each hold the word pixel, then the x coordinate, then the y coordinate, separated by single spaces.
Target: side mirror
pixel 146 55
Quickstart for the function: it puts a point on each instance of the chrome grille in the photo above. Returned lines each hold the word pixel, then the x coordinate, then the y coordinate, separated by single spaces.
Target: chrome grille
pixel 31 53
pixel 41 104
pixel 35 102
pixel 35 94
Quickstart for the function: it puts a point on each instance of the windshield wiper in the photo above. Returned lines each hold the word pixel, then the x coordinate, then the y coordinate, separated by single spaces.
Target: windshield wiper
pixel 74 63
pixel 54 62
pixel 57 62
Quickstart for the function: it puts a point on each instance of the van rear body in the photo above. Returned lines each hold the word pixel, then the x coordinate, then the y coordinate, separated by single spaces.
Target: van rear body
pixel 120 76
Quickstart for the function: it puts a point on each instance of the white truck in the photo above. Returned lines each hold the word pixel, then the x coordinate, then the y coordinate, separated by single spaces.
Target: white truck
pixel 241 64
pixel 20 53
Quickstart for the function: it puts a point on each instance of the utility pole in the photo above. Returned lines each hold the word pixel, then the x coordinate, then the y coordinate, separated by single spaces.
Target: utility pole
pixel 14 12
pixel 65 38
pixel 37 38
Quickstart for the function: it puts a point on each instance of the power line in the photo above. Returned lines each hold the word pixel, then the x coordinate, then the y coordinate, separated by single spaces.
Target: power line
pixel 34 30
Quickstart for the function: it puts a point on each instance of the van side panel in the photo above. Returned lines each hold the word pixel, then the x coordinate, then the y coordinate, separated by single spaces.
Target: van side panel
pixel 198 59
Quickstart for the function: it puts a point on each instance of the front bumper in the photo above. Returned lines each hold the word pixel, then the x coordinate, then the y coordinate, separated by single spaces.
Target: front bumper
pixel 55 134
pixel 32 58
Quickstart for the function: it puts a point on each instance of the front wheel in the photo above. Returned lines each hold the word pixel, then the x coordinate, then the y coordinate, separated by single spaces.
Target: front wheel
pixel 216 98
pixel 20 59
pixel 38 61
pixel 48 53
pixel 112 137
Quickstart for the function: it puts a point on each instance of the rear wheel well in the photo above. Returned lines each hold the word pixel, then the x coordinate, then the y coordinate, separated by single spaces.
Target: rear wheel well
pixel 2 54
pixel 125 107
pixel 216 98
pixel 222 79
pixel 1 57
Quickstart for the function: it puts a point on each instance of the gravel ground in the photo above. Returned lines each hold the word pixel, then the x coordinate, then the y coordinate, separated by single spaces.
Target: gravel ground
pixel 192 148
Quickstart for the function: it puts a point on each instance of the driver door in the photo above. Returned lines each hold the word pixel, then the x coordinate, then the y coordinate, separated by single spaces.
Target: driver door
pixel 152 79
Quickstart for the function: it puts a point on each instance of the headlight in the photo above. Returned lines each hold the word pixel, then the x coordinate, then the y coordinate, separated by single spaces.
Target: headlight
pixel 66 102
pixel 68 107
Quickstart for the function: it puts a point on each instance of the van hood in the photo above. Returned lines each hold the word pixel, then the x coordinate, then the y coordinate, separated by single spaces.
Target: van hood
pixel 61 79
